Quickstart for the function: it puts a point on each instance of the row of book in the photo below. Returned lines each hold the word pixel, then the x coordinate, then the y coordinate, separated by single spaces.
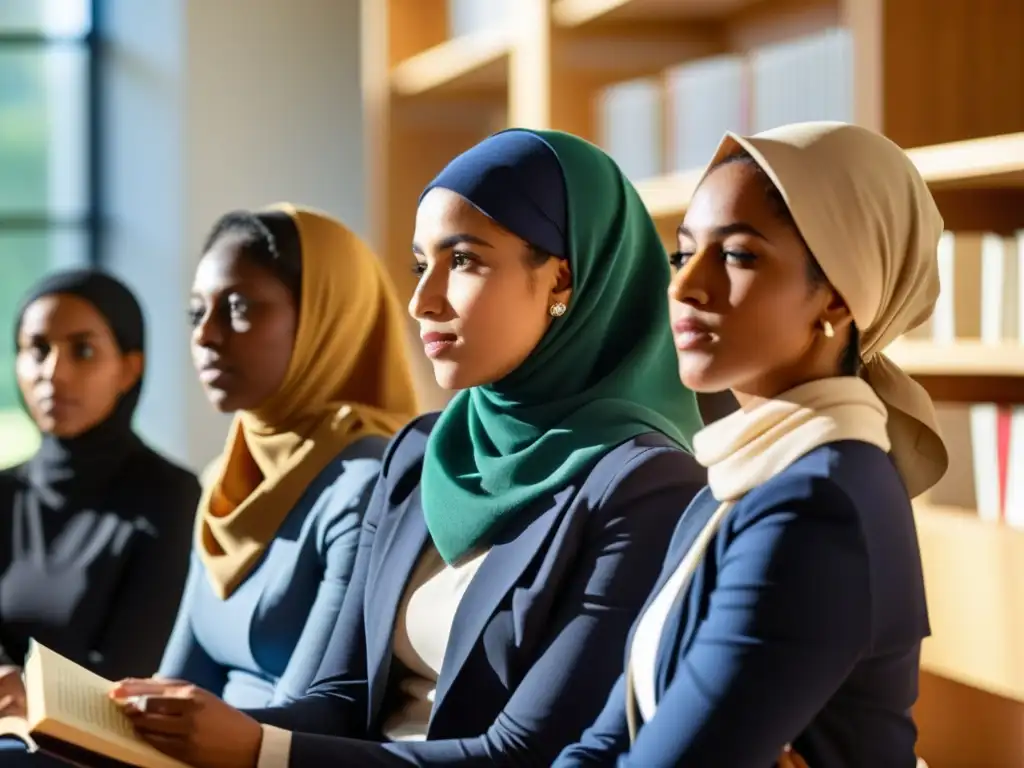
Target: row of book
pixel 982 298
pixel 656 125
pixel 674 122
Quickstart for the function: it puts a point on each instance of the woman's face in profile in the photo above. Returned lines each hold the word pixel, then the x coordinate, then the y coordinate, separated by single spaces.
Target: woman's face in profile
pixel 70 370
pixel 481 305
pixel 745 314
pixel 244 321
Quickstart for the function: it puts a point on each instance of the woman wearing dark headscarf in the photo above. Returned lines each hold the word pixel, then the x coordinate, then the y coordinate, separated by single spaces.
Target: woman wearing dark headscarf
pixel 512 537
pixel 791 607
pixel 95 528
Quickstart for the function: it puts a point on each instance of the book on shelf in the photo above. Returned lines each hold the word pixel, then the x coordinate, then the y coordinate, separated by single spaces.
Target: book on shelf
pixel 806 78
pixel 997 429
pixel 719 85
pixel 630 126
pixel 69 715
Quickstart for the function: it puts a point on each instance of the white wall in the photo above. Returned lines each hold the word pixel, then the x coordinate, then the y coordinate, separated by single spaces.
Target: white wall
pixel 211 105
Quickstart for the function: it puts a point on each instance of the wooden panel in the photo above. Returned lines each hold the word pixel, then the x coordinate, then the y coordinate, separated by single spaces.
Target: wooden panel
pixel 624 52
pixel 981 210
pixel 767 23
pixel 529 92
pixel 929 73
pixel 974 578
pixel 413 26
pixel 962 727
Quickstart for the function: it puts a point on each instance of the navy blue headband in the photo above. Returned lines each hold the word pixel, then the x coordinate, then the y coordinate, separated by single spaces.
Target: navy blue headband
pixel 515 178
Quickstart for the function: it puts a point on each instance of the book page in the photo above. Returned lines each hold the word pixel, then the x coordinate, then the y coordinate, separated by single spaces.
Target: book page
pixel 75 707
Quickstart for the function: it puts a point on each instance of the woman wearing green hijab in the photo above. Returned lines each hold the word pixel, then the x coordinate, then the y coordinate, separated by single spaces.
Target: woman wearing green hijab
pixel 513 537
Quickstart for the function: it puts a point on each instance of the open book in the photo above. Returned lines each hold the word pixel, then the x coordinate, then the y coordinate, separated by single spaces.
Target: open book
pixel 70 716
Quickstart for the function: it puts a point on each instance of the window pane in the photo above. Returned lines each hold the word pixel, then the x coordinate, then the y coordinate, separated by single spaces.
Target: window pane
pixel 43 131
pixel 60 18
pixel 24 258
pixel 19 438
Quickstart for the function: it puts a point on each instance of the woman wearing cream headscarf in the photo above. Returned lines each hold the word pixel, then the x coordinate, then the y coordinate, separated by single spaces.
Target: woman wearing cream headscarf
pixel 791 606
pixel 297 330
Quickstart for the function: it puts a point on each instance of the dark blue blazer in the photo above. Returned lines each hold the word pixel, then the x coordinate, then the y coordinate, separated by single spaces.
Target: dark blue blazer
pixel 803 624
pixel 537 640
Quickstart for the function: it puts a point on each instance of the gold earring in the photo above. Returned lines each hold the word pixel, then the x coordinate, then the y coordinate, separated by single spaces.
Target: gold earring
pixel 827 329
pixel 557 309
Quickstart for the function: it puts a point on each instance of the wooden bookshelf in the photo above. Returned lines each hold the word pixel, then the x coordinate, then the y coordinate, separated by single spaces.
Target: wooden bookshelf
pixel 945 80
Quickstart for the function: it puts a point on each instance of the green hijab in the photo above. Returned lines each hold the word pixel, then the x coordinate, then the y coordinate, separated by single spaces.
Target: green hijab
pixel 603 373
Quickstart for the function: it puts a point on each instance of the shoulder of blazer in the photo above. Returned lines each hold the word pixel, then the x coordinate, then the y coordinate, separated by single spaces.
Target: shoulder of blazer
pixel 806 484
pixel 648 462
pixel 403 457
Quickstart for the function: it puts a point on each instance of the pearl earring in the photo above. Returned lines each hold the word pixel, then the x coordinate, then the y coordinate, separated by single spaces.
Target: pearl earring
pixel 827 329
pixel 557 309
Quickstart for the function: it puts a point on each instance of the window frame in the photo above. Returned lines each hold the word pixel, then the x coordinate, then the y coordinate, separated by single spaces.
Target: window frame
pixel 89 224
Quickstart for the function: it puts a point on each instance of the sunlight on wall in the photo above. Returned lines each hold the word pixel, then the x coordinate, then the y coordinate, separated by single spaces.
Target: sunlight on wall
pixel 18 438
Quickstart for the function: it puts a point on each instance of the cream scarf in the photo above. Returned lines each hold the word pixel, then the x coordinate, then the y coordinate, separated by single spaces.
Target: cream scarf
pixel 741 452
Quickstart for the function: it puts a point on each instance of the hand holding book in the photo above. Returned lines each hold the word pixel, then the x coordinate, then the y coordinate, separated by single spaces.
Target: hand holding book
pixel 189 724
pixel 12 692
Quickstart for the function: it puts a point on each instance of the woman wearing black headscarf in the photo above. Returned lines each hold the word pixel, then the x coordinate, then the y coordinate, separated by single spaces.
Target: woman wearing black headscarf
pixel 95 528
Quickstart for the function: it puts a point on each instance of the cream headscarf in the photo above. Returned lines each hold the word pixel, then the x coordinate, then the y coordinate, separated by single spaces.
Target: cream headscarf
pixel 871 223
pixel 348 378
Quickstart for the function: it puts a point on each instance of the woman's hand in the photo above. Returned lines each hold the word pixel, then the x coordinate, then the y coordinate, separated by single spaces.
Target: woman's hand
pixel 12 692
pixel 189 723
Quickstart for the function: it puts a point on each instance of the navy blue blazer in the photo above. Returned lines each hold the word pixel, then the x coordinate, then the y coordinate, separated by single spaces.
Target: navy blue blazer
pixel 803 624
pixel 537 640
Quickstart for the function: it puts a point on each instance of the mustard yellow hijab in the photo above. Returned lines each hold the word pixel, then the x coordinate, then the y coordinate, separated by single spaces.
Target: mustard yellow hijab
pixel 348 378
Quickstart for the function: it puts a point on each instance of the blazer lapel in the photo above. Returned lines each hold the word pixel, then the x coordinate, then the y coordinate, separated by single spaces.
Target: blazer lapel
pixel 498 575
pixel 384 593
pixel 687 530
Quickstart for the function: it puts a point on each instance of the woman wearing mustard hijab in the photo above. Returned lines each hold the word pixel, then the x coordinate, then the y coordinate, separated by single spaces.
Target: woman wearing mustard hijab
pixel 297 329
pixel 791 607
pixel 514 536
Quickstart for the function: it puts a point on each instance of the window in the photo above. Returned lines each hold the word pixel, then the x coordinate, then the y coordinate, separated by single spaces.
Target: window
pixel 48 200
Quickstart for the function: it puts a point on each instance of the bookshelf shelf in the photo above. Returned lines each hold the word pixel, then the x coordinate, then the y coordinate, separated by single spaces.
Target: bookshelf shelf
pixel 995 162
pixel 974 577
pixel 469 64
pixel 970 358
pixel 966 371
pixel 577 13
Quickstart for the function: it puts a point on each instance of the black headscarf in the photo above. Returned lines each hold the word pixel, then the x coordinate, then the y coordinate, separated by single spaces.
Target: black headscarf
pixel 72 471
pixel 95 530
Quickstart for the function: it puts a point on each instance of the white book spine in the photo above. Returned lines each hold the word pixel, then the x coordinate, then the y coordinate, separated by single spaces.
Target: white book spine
pixel 717 85
pixel 630 126
pixel 985 416
pixel 944 316
pixel 1014 513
